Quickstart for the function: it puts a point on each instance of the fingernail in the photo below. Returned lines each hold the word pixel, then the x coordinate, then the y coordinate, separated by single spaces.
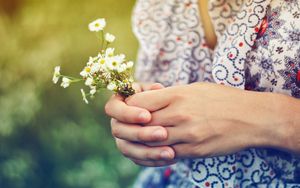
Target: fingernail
pixel 158 134
pixel 144 116
pixel 166 155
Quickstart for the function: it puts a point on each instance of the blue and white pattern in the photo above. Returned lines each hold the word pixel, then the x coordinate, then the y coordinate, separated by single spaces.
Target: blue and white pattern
pixel 258 49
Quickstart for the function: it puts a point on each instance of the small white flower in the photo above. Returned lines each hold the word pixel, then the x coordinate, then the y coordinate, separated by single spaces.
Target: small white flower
pixel 93 90
pixel 111 86
pixel 97 25
pixel 84 96
pixel 95 68
pixel 121 68
pixel 113 64
pixel 109 52
pixel 56 74
pixel 129 64
pixel 85 72
pixel 121 57
pixel 109 37
pixel 131 80
pixel 91 60
pixel 65 82
pixel 107 75
pixel 89 81
pixel 102 62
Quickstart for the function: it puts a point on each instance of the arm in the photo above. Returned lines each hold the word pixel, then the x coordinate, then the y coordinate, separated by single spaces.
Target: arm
pixel 287 115
pixel 205 120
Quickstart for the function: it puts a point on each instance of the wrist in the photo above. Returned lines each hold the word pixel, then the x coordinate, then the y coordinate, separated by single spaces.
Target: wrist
pixel 279 127
pixel 272 121
pixel 289 109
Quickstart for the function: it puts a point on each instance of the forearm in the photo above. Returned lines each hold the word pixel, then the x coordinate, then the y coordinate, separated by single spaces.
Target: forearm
pixel 290 128
pixel 280 116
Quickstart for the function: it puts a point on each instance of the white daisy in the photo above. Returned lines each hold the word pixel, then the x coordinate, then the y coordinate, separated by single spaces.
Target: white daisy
pixel 85 72
pixel 65 82
pixel 97 25
pixel 95 68
pixel 91 60
pixel 113 64
pixel 102 62
pixel 122 68
pixel 109 52
pixel 112 86
pixel 56 74
pixel 129 64
pixel 109 37
pixel 89 81
pixel 93 90
pixel 84 96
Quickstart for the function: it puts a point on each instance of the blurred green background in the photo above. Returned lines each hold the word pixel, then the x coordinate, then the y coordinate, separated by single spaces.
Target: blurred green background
pixel 48 136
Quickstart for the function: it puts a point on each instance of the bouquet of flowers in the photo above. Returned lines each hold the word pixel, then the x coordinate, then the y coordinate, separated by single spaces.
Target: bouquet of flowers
pixel 106 70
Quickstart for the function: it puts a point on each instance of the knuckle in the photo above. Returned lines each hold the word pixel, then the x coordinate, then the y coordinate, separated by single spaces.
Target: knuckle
pixel 195 152
pixel 132 100
pixel 115 131
pixel 113 121
pixel 191 134
pixel 118 144
pixel 107 108
pixel 141 136
pixel 123 149
pixel 125 153
pixel 149 156
pixel 181 116
pixel 178 96
pixel 123 115
pixel 129 100
pixel 156 86
pixel 199 151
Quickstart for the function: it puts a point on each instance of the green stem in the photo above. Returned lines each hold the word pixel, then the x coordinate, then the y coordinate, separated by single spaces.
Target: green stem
pixel 107 43
pixel 102 39
pixel 72 78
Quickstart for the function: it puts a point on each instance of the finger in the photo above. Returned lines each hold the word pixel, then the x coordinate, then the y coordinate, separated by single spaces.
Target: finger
pixel 142 152
pixel 155 86
pixel 118 109
pixel 137 133
pixel 164 117
pixel 137 87
pixel 175 136
pixel 185 150
pixel 151 100
pixel 153 163
pixel 140 87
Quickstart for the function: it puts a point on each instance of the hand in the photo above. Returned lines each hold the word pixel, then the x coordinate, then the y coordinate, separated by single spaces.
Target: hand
pixel 204 120
pixel 127 130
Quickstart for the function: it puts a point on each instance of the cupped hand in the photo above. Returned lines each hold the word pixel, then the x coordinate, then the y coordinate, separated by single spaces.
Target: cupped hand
pixel 204 120
pixel 130 134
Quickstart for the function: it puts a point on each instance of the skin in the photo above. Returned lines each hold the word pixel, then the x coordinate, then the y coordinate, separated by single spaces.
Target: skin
pixel 202 120
pixel 157 126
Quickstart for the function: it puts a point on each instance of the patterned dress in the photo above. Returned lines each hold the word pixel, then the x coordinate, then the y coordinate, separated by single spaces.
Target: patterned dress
pixel 258 49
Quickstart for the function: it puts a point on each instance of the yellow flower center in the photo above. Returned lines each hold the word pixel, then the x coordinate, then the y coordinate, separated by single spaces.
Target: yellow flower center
pixel 114 63
pixel 87 69
pixel 97 25
pixel 102 61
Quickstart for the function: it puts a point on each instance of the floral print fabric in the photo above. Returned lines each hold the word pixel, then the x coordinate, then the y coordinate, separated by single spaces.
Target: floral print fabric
pixel 258 49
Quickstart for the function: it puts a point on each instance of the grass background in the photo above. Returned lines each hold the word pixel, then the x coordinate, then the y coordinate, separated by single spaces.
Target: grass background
pixel 48 136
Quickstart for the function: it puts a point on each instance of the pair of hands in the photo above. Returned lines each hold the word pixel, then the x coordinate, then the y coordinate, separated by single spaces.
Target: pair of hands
pixel 158 125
